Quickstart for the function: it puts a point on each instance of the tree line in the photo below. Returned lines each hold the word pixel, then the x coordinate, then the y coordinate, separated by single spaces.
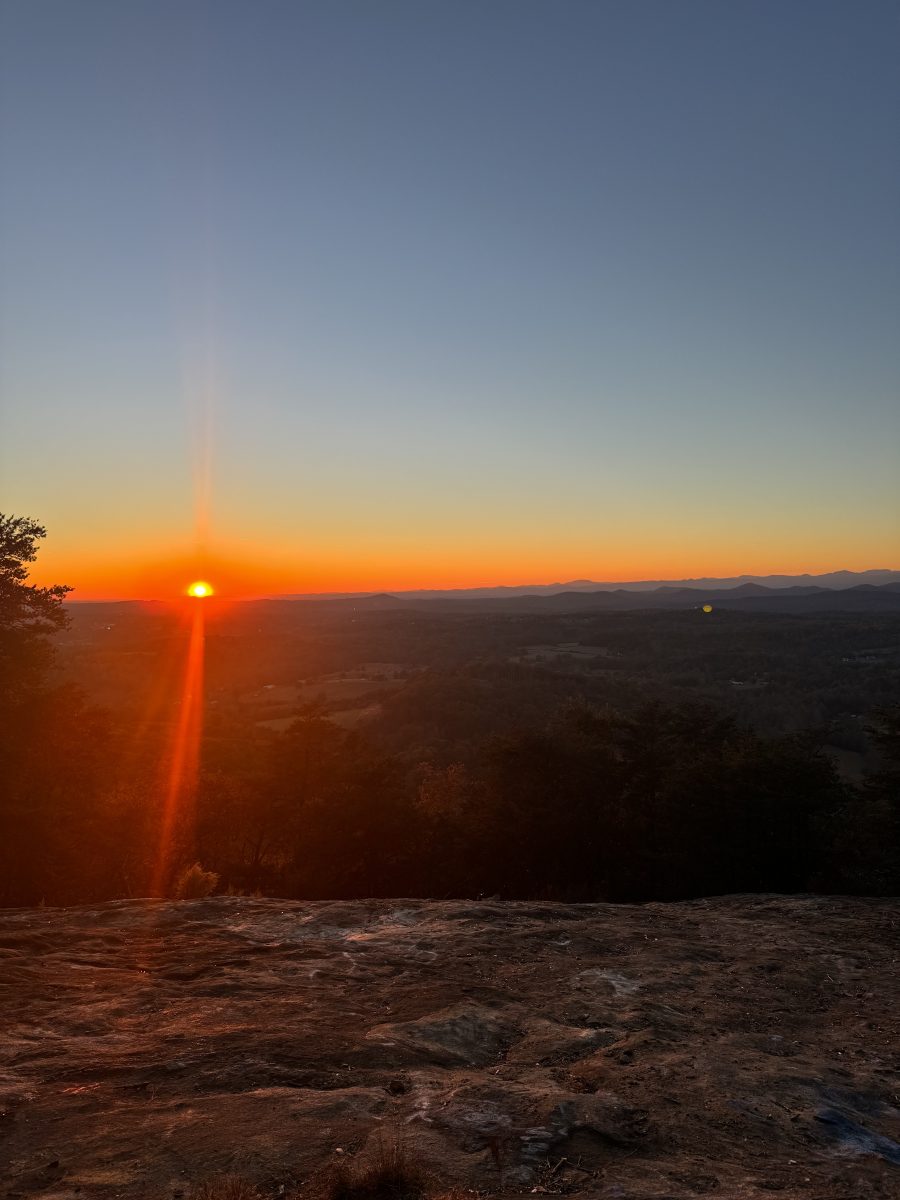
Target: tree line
pixel 663 802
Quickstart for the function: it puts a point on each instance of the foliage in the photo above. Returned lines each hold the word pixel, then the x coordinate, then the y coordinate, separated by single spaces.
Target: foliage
pixel 478 776
pixel 50 741
pixel 194 883
pixel 27 613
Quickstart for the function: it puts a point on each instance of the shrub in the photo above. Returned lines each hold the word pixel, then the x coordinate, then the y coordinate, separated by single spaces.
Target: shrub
pixel 194 883
pixel 391 1175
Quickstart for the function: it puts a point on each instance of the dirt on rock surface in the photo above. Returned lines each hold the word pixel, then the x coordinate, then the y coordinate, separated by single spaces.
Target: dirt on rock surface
pixel 742 1047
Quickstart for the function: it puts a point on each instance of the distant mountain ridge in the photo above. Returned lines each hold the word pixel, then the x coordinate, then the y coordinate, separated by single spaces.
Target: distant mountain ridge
pixel 831 579
pixel 738 584
pixel 748 597
pixel 875 590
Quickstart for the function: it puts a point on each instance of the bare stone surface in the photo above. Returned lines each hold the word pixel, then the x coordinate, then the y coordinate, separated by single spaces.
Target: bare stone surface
pixel 739 1047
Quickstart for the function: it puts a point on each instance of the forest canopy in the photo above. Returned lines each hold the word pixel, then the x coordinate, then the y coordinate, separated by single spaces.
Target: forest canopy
pixel 474 774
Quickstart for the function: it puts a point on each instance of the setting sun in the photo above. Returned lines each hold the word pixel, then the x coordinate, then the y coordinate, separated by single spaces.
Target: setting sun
pixel 199 589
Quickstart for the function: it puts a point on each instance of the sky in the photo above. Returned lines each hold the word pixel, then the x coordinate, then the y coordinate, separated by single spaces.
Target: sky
pixel 374 294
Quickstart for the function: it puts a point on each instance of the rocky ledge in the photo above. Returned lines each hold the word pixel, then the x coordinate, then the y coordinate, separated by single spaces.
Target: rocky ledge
pixel 737 1047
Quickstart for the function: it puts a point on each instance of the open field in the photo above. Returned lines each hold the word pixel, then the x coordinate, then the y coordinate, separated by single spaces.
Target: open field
pixel 739 1047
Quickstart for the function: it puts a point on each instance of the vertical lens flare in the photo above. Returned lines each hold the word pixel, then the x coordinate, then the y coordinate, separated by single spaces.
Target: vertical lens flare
pixel 180 785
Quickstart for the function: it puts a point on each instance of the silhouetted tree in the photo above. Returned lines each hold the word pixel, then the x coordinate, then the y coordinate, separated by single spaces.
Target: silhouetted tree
pixel 27 613
pixel 50 745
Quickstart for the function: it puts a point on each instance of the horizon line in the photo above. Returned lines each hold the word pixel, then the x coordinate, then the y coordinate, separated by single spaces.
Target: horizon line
pixel 580 584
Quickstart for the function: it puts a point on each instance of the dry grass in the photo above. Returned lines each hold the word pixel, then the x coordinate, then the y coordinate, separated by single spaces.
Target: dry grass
pixel 226 1187
pixel 390 1175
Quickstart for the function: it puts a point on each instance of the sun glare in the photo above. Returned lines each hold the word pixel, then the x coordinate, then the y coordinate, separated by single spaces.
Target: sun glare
pixel 199 589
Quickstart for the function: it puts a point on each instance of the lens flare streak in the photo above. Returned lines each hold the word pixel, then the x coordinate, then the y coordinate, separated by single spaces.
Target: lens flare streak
pixel 184 759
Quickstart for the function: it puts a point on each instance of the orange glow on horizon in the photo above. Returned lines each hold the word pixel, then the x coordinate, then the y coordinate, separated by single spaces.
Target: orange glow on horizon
pixel 246 569
pixel 268 573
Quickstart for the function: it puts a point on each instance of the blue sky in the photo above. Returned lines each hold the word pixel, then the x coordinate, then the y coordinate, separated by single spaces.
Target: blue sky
pixel 451 293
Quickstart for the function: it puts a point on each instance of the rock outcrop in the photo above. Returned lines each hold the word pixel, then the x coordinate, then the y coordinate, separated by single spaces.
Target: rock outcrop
pixel 738 1047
